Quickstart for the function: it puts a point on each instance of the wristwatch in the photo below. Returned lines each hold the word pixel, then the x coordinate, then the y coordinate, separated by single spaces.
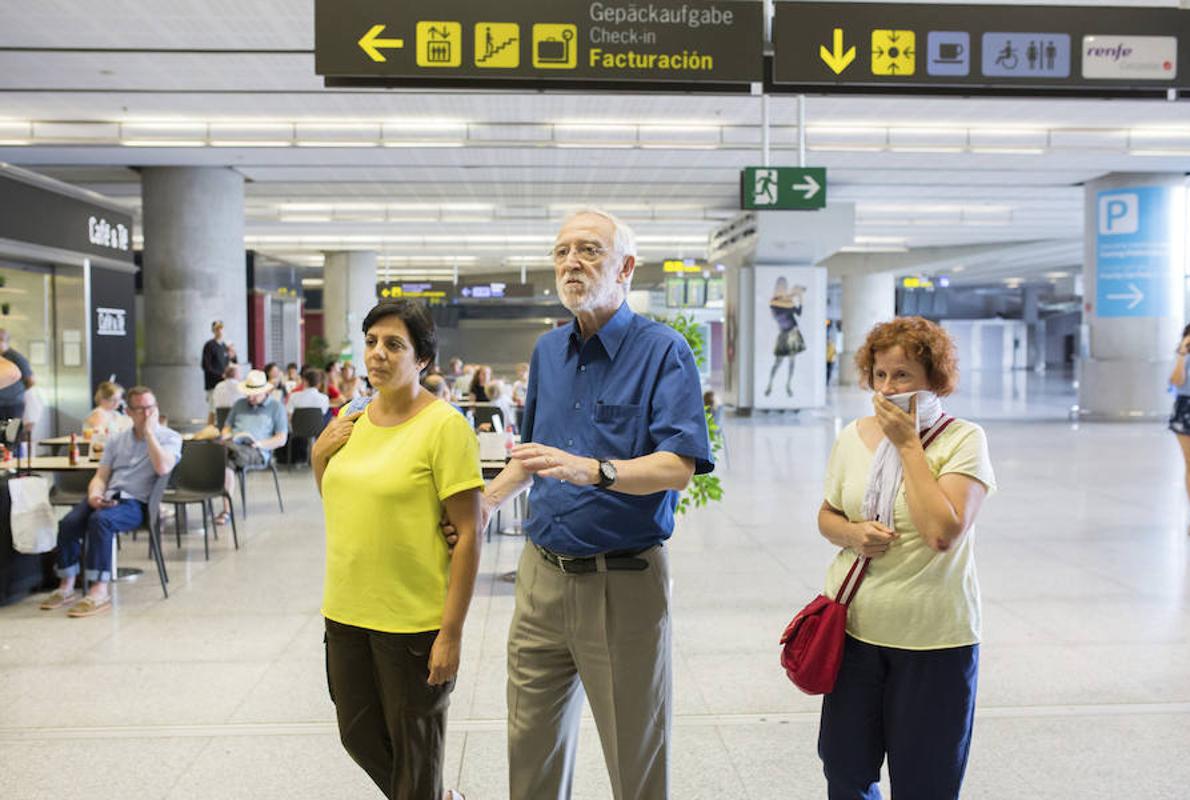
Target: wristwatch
pixel 607 474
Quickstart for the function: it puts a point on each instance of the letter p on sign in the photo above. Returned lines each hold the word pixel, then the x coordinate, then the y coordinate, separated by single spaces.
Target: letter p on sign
pixel 1119 214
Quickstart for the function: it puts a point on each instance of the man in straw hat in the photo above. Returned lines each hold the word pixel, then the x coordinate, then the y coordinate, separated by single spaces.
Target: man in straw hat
pixel 255 427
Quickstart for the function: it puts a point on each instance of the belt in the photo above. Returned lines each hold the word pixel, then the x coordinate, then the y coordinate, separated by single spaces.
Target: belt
pixel 582 565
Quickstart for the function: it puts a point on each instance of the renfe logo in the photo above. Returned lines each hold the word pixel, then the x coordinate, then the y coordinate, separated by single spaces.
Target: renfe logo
pixel 1130 58
pixel 1119 214
pixel 1115 53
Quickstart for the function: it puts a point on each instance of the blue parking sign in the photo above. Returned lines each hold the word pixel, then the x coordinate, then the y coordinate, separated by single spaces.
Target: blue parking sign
pixel 1133 252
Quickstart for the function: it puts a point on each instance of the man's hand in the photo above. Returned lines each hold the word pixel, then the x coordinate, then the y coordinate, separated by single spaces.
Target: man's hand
pixel 97 502
pixel 152 421
pixel 550 462
pixel 486 507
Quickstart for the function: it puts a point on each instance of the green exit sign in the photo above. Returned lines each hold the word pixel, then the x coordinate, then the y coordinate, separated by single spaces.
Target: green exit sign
pixel 782 188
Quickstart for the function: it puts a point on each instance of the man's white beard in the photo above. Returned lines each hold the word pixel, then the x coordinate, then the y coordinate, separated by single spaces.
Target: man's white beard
pixel 603 294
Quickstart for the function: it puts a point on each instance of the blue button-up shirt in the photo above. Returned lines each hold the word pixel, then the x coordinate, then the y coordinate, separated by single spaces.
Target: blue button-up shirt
pixel 630 390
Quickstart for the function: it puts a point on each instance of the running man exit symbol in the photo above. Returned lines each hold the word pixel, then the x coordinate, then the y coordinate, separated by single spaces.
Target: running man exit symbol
pixel 497 45
pixel 765 191
pixel 894 52
pixel 439 44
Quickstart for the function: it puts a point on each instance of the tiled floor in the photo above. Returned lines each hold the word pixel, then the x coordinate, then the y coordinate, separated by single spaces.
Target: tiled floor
pixel 219 691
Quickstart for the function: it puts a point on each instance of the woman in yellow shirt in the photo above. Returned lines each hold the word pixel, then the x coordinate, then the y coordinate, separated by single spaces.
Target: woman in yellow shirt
pixel 395 598
pixel 906 686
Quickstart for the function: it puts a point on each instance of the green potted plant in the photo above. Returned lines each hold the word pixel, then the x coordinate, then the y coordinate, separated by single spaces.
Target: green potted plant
pixel 703 488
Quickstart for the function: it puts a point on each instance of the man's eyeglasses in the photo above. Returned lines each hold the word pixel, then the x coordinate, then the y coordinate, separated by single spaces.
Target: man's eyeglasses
pixel 132 409
pixel 586 252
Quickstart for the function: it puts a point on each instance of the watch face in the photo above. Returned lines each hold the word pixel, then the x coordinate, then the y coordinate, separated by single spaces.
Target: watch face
pixel 607 472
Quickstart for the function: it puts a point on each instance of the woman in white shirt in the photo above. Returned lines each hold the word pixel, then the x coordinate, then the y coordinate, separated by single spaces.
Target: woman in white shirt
pixel 106 417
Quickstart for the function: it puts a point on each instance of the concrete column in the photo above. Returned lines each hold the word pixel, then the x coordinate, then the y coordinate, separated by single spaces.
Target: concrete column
pixel 194 272
pixel 348 293
pixel 1134 275
pixel 867 299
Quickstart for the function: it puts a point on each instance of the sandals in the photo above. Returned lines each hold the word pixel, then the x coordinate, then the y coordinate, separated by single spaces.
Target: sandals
pixel 58 599
pixel 222 518
pixel 89 607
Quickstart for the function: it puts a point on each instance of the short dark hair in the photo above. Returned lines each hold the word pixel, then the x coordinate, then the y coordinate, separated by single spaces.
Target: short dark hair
pixel 417 319
pixel 312 377
pixel 137 391
pixel 291 365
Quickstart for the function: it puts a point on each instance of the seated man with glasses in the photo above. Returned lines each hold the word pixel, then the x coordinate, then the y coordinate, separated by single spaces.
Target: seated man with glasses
pixel 116 501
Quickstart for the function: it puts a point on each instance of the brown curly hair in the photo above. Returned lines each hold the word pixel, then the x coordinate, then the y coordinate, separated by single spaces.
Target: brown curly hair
pixel 923 341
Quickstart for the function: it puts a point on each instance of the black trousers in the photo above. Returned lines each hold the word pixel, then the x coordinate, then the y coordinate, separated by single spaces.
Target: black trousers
pixel 391 722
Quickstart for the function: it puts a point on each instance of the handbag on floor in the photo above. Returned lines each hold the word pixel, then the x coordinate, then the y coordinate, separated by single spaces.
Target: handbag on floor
pixel 812 645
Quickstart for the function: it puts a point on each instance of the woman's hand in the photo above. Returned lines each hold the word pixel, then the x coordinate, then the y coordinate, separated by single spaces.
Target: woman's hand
pixel 444 658
pixel 334 436
pixel 872 539
pixel 900 427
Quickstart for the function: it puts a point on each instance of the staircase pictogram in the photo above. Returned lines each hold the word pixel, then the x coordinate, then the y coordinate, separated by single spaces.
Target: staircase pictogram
pixel 492 52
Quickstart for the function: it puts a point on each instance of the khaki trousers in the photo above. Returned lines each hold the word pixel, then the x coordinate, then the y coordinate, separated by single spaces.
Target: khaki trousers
pixel 607 633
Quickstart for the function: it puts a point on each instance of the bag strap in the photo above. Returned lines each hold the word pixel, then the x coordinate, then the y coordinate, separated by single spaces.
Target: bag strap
pixel 851 583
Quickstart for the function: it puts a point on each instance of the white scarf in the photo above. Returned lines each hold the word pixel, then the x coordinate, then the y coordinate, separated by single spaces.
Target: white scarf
pixel 884 481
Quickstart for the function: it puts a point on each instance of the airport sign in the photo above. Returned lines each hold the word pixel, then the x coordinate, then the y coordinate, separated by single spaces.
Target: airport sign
pixel 782 188
pixel 655 44
pixel 908 48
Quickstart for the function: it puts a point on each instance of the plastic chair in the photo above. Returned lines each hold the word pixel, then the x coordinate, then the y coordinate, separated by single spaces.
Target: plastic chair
pixel 199 478
pixel 242 477
pixel 307 424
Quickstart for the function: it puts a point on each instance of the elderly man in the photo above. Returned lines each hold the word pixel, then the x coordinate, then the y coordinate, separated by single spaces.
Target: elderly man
pixel 255 427
pixel 12 395
pixel 613 430
pixel 116 501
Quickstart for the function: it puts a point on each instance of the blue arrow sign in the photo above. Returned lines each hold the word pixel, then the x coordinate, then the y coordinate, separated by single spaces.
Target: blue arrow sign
pixel 1133 254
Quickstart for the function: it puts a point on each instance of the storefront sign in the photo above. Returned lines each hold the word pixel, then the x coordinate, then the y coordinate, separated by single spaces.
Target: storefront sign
pixel 994 48
pixel 35 214
pixel 105 234
pixel 540 45
pixel 110 322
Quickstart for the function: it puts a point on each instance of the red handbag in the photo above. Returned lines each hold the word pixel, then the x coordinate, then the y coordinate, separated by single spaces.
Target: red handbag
pixel 812 645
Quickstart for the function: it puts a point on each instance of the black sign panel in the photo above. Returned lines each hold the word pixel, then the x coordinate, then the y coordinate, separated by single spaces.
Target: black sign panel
pixel 113 326
pixel 1028 49
pixel 535 44
pixel 37 215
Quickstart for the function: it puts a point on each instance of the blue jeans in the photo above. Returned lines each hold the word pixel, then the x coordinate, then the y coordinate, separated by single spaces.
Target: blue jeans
pixel 99 528
pixel 918 706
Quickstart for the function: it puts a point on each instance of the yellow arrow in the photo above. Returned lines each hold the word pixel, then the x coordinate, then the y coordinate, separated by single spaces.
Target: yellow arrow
pixel 837 60
pixel 371 44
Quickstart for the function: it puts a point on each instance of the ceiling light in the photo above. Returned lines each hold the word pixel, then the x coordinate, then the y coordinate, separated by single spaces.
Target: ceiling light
pixel 250 143
pixel 162 143
pixel 312 283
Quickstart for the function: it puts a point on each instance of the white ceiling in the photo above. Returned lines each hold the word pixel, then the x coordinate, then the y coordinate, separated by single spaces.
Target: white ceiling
pixel 77 79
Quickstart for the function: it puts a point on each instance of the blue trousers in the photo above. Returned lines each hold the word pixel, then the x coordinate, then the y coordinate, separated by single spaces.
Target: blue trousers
pixel 916 706
pixel 98 528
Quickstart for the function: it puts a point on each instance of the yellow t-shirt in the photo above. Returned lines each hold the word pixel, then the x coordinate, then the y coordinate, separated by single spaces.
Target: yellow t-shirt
pixel 912 597
pixel 386 560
